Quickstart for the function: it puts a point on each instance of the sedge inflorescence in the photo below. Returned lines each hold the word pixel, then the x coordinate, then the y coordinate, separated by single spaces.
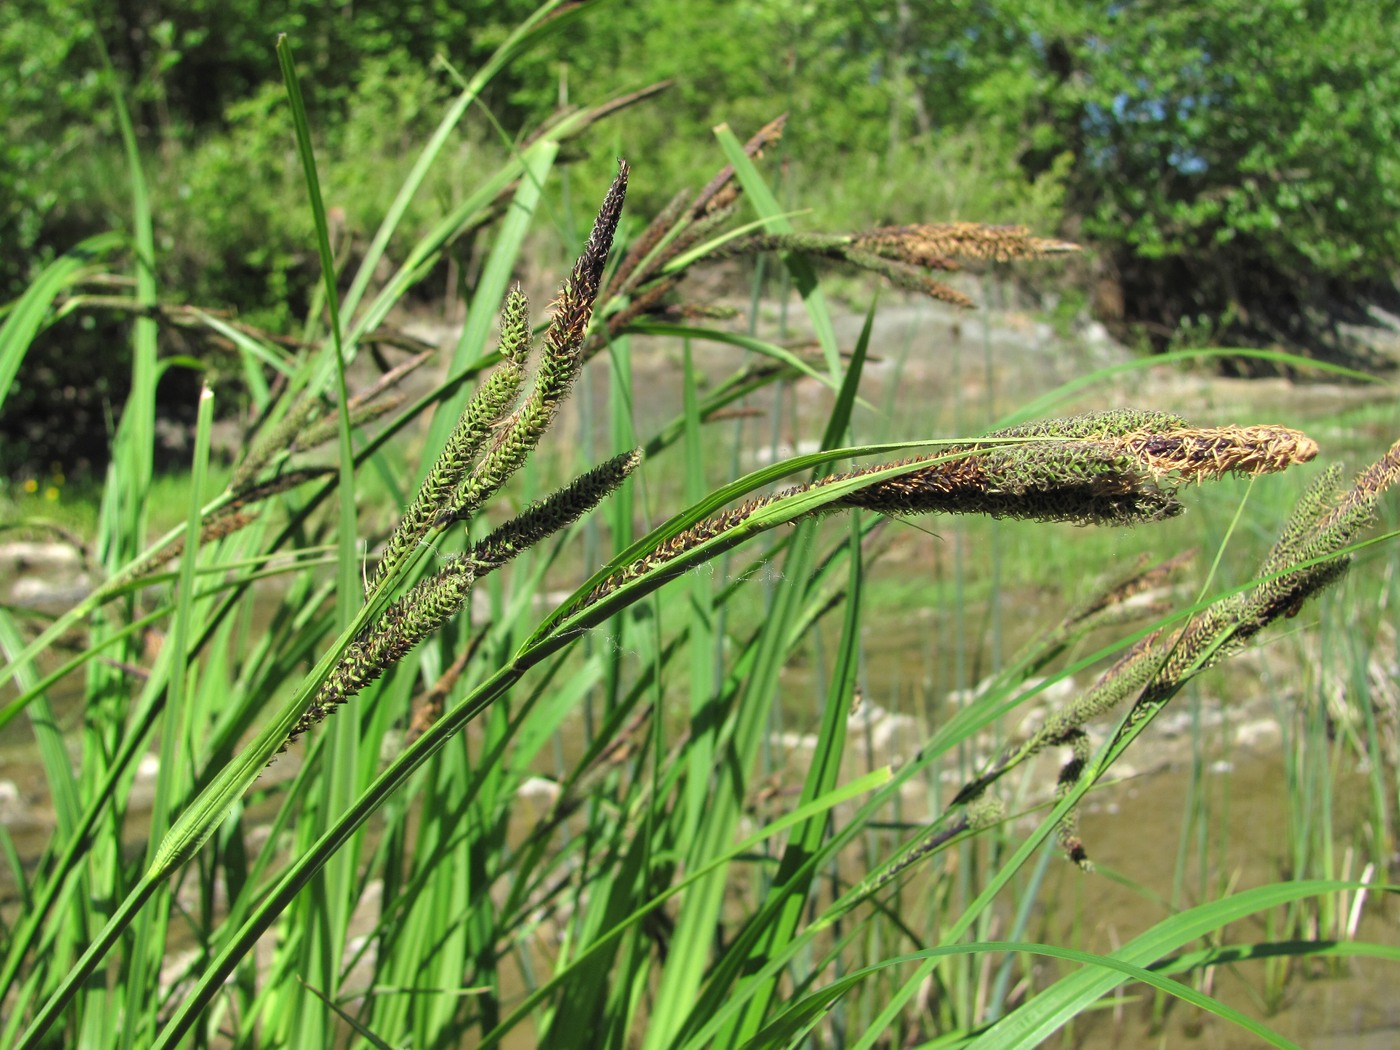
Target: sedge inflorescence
pixel 493 438
pixel 1108 468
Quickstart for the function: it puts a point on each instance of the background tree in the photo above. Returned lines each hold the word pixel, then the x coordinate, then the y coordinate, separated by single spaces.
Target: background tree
pixel 1236 163
pixel 1236 160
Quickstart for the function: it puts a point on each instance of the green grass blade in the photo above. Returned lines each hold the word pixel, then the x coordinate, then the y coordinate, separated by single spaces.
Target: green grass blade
pixel 794 880
pixel 1038 1019
pixel 328 918
pixel 1229 954
pixel 172 776
pixel 701 910
pixel 28 313
pixel 801 1016
pixel 766 205
pixel 347 597
pixel 861 785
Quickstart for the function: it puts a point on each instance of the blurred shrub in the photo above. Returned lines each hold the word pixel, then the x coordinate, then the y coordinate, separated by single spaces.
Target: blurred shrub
pixel 52 108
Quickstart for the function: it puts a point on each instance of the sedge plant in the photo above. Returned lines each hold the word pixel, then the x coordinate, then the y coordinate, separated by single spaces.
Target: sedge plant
pixel 405 796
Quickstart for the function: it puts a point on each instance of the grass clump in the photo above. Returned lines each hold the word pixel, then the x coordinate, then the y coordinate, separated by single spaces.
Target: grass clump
pixel 385 858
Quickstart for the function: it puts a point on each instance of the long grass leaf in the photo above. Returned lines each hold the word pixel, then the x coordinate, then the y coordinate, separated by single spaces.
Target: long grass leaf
pixel 28 313
pixel 1042 1015
pixel 801 1016
pixel 328 918
pixel 763 201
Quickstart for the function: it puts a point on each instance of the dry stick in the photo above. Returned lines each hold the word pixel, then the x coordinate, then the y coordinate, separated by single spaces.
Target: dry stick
pixel 592 116
pixel 429 708
pixel 393 377
pixel 182 315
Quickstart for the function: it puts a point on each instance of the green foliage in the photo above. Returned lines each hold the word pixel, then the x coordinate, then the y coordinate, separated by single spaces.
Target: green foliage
pixel 189 62
pixel 206 97
pixel 233 228
pixel 1265 130
pixel 52 107
pixel 1229 157
pixel 230 228
pixel 860 92
pixel 228 224
pixel 386 884
pixel 1232 158
pixel 386 878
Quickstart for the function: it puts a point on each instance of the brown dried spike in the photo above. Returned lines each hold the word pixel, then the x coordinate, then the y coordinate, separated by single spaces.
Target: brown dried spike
pixel 697 232
pixel 225 523
pixel 934 246
pixel 282 483
pixel 907 276
pixel 1143 580
pixel 944 293
pixel 1213 452
pixel 646 302
pixel 719 192
pixel 622 102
